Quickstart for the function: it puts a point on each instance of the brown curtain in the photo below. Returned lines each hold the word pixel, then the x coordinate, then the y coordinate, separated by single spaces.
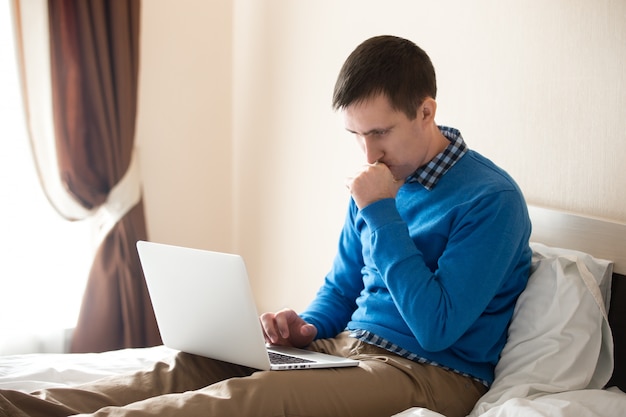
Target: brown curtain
pixel 94 50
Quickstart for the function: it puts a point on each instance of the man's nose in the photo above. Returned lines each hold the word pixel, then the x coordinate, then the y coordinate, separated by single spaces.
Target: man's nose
pixel 372 154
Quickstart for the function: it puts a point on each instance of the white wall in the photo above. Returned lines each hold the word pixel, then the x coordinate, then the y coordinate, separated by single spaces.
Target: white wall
pixel 184 129
pixel 539 87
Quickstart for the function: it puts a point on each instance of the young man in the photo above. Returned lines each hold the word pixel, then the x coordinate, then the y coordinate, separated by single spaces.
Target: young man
pixel 432 257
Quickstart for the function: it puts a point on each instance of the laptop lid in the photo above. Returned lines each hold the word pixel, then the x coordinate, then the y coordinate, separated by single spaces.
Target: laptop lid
pixel 204 305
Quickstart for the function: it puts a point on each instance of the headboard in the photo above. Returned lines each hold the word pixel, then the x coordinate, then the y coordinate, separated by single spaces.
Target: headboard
pixel 605 239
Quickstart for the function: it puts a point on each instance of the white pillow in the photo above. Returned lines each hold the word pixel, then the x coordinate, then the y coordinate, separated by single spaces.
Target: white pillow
pixel 559 338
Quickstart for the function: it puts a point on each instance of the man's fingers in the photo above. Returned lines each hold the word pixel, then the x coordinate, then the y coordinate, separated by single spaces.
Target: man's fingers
pixel 283 320
pixel 276 326
pixel 270 328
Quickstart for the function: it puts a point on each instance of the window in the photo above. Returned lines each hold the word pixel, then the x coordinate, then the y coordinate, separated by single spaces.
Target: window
pixel 45 259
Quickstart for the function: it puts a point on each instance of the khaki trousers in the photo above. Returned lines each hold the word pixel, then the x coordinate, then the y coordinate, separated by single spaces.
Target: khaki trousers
pixel 382 385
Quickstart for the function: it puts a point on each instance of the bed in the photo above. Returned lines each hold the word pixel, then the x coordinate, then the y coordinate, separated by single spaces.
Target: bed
pixel 566 352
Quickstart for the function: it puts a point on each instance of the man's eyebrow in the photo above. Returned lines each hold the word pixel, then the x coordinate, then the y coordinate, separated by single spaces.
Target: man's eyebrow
pixel 371 131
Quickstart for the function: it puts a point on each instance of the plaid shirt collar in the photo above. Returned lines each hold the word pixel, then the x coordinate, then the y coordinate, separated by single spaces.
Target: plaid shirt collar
pixel 429 174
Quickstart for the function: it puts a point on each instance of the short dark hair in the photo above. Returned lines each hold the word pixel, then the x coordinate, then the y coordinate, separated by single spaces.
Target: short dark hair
pixel 390 65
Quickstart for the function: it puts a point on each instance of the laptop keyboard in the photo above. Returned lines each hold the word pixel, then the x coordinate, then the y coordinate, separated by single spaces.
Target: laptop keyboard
pixel 279 359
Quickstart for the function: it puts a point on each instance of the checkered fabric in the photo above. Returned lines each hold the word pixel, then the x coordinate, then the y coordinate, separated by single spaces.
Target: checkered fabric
pixel 369 337
pixel 429 174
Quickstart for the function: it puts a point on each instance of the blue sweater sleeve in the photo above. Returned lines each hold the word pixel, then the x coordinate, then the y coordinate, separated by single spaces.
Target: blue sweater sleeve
pixel 440 303
pixel 335 301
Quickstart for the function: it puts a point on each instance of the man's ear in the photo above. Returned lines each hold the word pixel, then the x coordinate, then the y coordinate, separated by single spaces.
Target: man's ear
pixel 428 110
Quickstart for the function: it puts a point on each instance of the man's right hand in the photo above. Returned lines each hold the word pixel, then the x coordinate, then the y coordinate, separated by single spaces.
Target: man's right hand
pixel 372 183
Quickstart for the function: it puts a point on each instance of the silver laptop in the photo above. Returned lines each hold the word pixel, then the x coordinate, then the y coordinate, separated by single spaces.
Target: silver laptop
pixel 204 305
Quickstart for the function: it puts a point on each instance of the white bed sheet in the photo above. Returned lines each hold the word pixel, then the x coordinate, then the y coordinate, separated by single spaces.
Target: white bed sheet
pixel 581 403
pixel 31 372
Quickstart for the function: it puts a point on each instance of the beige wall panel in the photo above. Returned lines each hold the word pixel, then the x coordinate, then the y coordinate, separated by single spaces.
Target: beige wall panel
pixel 184 130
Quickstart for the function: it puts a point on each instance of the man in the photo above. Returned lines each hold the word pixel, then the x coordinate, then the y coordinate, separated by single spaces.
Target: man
pixel 432 257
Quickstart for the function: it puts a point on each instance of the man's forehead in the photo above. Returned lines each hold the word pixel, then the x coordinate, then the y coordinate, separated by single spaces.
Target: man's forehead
pixel 371 114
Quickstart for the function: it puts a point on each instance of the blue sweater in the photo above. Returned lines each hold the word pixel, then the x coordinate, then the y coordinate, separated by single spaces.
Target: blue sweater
pixel 436 272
